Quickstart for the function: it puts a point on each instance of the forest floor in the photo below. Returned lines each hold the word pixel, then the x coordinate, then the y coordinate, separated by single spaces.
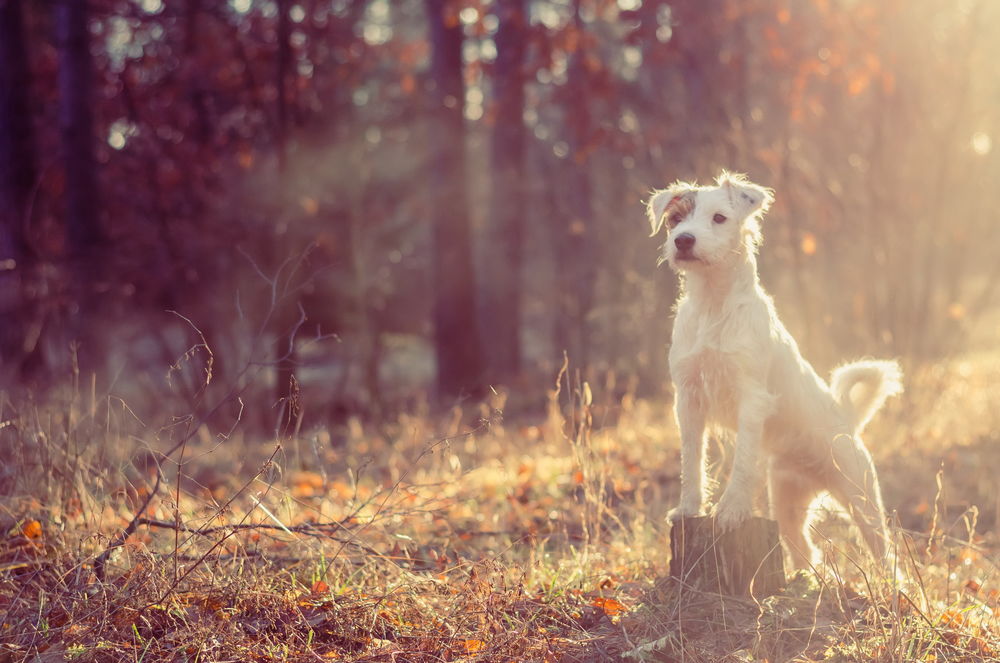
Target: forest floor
pixel 430 538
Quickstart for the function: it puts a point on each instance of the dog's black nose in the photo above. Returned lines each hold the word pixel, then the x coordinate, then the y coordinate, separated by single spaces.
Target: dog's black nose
pixel 684 241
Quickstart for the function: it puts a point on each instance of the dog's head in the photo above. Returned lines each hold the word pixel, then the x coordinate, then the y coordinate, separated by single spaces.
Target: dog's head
pixel 709 225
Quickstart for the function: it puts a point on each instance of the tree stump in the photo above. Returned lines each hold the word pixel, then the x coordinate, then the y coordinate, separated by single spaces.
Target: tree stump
pixel 742 562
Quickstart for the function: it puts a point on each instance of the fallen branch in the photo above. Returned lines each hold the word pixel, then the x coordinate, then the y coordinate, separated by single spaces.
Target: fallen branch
pixel 308 529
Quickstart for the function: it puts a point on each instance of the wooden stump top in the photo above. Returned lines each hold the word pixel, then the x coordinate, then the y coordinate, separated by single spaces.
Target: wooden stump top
pixel 745 561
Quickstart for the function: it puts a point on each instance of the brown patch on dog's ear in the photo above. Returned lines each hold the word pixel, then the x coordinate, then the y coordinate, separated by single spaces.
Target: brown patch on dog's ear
pixel 681 205
pixel 679 195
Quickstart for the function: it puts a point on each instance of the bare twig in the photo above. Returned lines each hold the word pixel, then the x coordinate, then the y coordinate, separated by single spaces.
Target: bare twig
pixel 101 561
pixel 238 385
pixel 177 580
pixel 317 530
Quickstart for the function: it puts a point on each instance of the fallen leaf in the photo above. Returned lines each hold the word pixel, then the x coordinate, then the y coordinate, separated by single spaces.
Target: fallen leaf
pixel 952 617
pixel 31 529
pixel 611 607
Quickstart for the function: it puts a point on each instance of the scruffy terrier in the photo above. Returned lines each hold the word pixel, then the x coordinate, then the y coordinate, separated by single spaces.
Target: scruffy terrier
pixel 735 365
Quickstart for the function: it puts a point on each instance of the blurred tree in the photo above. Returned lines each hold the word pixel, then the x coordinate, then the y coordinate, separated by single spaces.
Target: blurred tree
pixel 197 92
pixel 348 126
pixel 574 236
pixel 74 323
pixel 17 180
pixel 285 315
pixel 77 127
pixel 17 157
pixel 502 283
pixel 456 334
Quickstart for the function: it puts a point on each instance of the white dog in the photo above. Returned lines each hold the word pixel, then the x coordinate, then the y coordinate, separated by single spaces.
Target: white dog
pixel 735 365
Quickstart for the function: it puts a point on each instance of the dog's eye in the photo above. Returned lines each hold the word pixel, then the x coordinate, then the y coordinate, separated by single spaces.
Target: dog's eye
pixel 674 219
pixel 719 218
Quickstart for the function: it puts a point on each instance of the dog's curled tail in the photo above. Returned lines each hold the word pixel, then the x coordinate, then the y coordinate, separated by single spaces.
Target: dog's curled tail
pixel 862 387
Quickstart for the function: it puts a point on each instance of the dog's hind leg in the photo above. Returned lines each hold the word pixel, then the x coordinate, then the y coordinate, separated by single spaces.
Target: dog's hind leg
pixel 855 485
pixel 791 496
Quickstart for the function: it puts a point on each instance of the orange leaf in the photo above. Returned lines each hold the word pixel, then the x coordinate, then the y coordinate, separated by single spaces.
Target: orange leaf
pixel 611 607
pixel 472 646
pixel 31 529
pixel 342 489
pixel 952 617
pixel 245 159
pixel 309 205
pixel 858 84
pixel 306 484
pixel 301 490
pixel 982 647
pixel 808 244
pixel 968 555
pixel 972 586
pixel 451 18
pixel 320 587
pixel 408 84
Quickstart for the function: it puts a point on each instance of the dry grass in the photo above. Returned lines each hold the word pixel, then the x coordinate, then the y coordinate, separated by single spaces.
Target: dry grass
pixel 462 537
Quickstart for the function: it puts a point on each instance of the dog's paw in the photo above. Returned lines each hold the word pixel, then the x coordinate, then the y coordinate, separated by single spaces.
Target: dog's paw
pixel 730 513
pixel 683 512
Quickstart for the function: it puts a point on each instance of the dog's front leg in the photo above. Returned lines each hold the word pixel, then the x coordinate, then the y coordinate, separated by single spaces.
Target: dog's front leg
pixel 690 411
pixel 736 503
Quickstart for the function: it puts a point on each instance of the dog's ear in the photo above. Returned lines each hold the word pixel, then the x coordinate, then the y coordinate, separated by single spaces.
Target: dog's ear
pixel 655 208
pixel 660 200
pixel 747 197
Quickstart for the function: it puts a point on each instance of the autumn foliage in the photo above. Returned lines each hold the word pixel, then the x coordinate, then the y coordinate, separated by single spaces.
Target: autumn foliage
pixel 307 160
pixel 332 330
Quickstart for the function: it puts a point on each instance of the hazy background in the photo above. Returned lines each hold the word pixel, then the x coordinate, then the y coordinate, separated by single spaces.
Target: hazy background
pixel 286 288
pixel 353 207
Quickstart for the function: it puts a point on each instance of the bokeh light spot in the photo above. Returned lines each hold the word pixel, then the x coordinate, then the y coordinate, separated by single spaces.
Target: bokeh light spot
pixel 982 144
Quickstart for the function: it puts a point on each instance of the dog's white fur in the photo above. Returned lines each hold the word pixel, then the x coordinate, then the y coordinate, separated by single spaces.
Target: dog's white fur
pixel 735 365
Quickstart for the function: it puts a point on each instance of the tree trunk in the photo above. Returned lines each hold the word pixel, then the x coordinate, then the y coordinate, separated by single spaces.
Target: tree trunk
pixel 17 178
pixel 456 335
pixel 77 128
pixel 197 96
pixel 86 267
pixel 285 314
pixel 746 561
pixel 17 156
pixel 574 243
pixel 502 291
